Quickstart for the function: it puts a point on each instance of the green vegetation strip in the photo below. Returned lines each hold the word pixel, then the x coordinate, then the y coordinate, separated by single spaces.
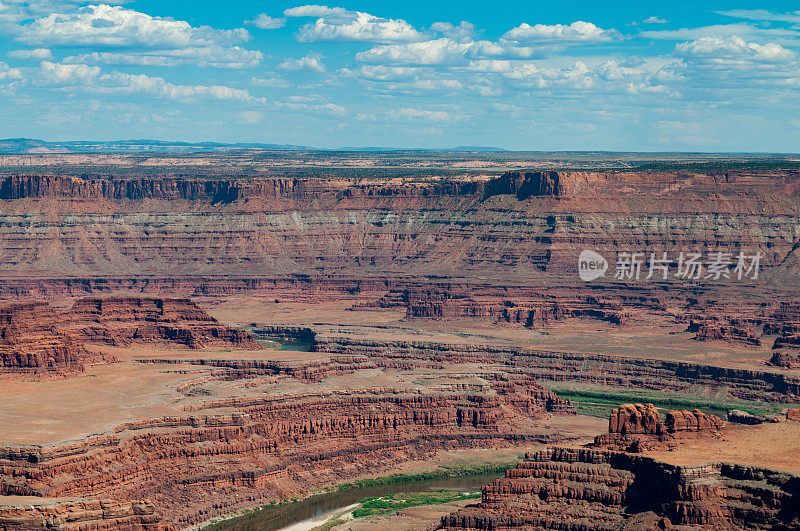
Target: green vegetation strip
pixel 600 403
pixel 380 505
pixel 441 473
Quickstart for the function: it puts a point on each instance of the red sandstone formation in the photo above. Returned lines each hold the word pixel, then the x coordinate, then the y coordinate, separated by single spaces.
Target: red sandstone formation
pixel 637 427
pixel 785 359
pixel 35 336
pixel 630 419
pixel 715 331
pixel 94 515
pixel 122 320
pixel 793 414
pixel 519 225
pixel 31 338
pixel 587 490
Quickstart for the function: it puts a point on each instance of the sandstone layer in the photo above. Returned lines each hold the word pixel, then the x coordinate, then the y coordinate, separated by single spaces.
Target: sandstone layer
pixel 584 489
pixel 35 336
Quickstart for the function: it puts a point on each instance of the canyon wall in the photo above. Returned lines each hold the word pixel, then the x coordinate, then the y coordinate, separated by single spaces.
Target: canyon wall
pixel 519 225
pixel 228 453
pixel 36 336
pixel 574 489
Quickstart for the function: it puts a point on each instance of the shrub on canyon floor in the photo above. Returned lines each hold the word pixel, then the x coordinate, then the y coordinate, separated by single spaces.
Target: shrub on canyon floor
pixel 380 505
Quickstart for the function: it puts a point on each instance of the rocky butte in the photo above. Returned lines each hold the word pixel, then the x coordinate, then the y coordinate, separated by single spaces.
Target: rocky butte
pixel 178 347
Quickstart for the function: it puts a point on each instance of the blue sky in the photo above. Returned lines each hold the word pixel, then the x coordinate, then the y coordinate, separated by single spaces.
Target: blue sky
pixel 657 76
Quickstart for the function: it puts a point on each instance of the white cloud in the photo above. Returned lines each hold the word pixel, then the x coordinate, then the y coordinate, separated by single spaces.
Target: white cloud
pixel 61 74
pixel 762 14
pixel 734 49
pixel 6 72
pixel 35 53
pixel 92 78
pixel 117 26
pixel 271 82
pixel 723 30
pixel 314 11
pixel 339 24
pixel 265 21
pixel 309 62
pixel 442 51
pixel 330 109
pixel 249 117
pixel 387 73
pixel 409 114
pixel 579 31
pixel 654 20
pixel 208 56
pixel 464 32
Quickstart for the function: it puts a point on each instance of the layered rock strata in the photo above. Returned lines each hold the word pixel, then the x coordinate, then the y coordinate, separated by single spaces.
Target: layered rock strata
pixel 123 320
pixel 604 369
pixel 228 453
pixel 582 489
pixel 639 427
pixel 516 226
pixel 83 515
pixel 35 336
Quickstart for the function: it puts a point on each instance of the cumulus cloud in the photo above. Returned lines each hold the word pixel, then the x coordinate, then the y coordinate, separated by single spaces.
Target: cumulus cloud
pixel 654 20
pixel 339 24
pixel 35 53
pixel 7 73
pixel 464 32
pixel 61 74
pixel 117 26
pixel 387 73
pixel 208 56
pixel 309 62
pixel 265 21
pixel 92 78
pixel 579 31
pixel 442 51
pixel 734 49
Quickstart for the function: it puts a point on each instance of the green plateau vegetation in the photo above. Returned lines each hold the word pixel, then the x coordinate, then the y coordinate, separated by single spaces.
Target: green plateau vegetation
pixel 599 403
pixel 440 473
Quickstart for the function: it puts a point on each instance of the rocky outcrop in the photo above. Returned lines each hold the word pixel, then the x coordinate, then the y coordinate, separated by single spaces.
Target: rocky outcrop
pixel 793 414
pixel 691 421
pixel 31 338
pixel 635 419
pixel 35 336
pixel 639 427
pixel 716 331
pixel 123 320
pixel 785 359
pixel 94 515
pixel 585 490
